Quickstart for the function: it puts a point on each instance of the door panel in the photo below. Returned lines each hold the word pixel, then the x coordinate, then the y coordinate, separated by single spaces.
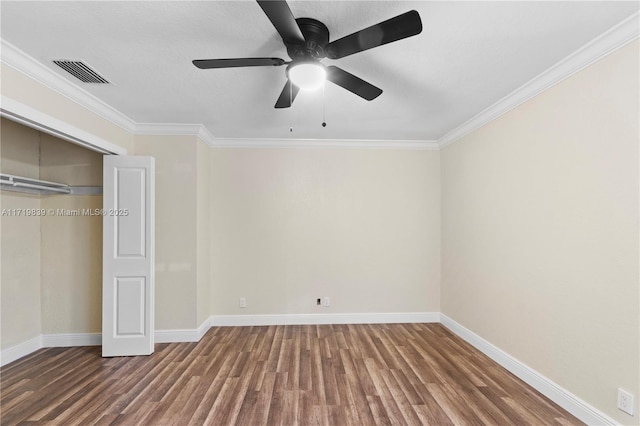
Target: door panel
pixel 129 299
pixel 130 194
pixel 128 256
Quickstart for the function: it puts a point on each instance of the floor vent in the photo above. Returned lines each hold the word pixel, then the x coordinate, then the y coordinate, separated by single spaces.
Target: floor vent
pixel 81 71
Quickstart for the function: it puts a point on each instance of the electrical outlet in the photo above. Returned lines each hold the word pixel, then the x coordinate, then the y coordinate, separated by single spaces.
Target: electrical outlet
pixel 243 302
pixel 326 302
pixel 625 401
pixel 319 301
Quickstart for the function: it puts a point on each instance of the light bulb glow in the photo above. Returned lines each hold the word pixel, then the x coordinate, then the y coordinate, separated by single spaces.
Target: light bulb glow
pixel 308 75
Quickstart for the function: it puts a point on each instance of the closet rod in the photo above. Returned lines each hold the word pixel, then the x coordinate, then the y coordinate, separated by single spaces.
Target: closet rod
pixel 14 183
pixel 34 186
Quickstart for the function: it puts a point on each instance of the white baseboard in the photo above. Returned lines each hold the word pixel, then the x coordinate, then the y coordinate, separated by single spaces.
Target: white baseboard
pixel 194 335
pixel 204 327
pixel 545 386
pixel 65 340
pixel 68 340
pixel 21 349
pixel 183 335
pixel 175 336
pixel 300 319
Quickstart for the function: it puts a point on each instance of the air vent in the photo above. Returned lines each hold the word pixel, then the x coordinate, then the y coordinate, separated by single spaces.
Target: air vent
pixel 81 71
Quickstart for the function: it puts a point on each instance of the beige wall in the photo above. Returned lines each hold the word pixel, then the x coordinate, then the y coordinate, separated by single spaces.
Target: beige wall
pixel 20 315
pixel 540 232
pixel 20 150
pixel 71 256
pixel 203 211
pixel 359 226
pixel 176 233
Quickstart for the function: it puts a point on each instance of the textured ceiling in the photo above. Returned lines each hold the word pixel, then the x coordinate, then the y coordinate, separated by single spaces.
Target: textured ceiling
pixel 468 56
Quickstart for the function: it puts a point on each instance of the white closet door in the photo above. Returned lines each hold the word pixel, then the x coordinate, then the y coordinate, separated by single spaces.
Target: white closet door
pixel 128 256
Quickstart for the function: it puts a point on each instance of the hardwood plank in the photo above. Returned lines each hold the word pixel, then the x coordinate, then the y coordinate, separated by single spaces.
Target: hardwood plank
pixel 278 375
pixel 72 406
pixel 431 413
pixel 385 396
pixel 256 403
pixel 138 417
pixel 317 375
pixel 213 391
pixel 330 385
pixel 378 411
pixel 351 416
pixel 399 398
pixel 409 392
pixel 356 396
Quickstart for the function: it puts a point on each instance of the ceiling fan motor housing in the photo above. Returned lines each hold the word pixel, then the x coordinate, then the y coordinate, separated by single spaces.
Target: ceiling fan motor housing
pixel 316 36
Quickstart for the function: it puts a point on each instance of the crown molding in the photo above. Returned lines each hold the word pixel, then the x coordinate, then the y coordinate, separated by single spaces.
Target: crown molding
pixel 19 60
pixel 167 129
pixel 613 39
pixel 203 134
pixel 176 129
pixel 324 143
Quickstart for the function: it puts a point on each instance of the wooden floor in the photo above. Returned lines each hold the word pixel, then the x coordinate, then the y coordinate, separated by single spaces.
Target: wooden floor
pixel 308 375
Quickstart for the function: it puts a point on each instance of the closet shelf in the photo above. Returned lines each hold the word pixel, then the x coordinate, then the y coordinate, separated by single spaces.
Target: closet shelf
pixel 43 187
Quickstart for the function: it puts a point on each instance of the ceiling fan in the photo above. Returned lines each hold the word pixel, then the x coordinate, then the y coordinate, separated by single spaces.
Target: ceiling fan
pixel 307 42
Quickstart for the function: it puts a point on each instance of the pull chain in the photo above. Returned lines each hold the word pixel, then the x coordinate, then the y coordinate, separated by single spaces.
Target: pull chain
pixel 324 105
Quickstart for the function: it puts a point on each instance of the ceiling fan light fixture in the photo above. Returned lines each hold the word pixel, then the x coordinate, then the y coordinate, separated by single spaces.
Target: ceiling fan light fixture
pixel 308 75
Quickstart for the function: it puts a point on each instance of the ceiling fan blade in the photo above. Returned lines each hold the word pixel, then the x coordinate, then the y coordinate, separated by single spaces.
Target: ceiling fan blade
pixel 240 62
pixel 394 29
pixel 282 19
pixel 287 95
pixel 352 83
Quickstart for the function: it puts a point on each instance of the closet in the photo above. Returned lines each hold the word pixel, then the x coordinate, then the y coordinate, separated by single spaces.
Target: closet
pixel 51 242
